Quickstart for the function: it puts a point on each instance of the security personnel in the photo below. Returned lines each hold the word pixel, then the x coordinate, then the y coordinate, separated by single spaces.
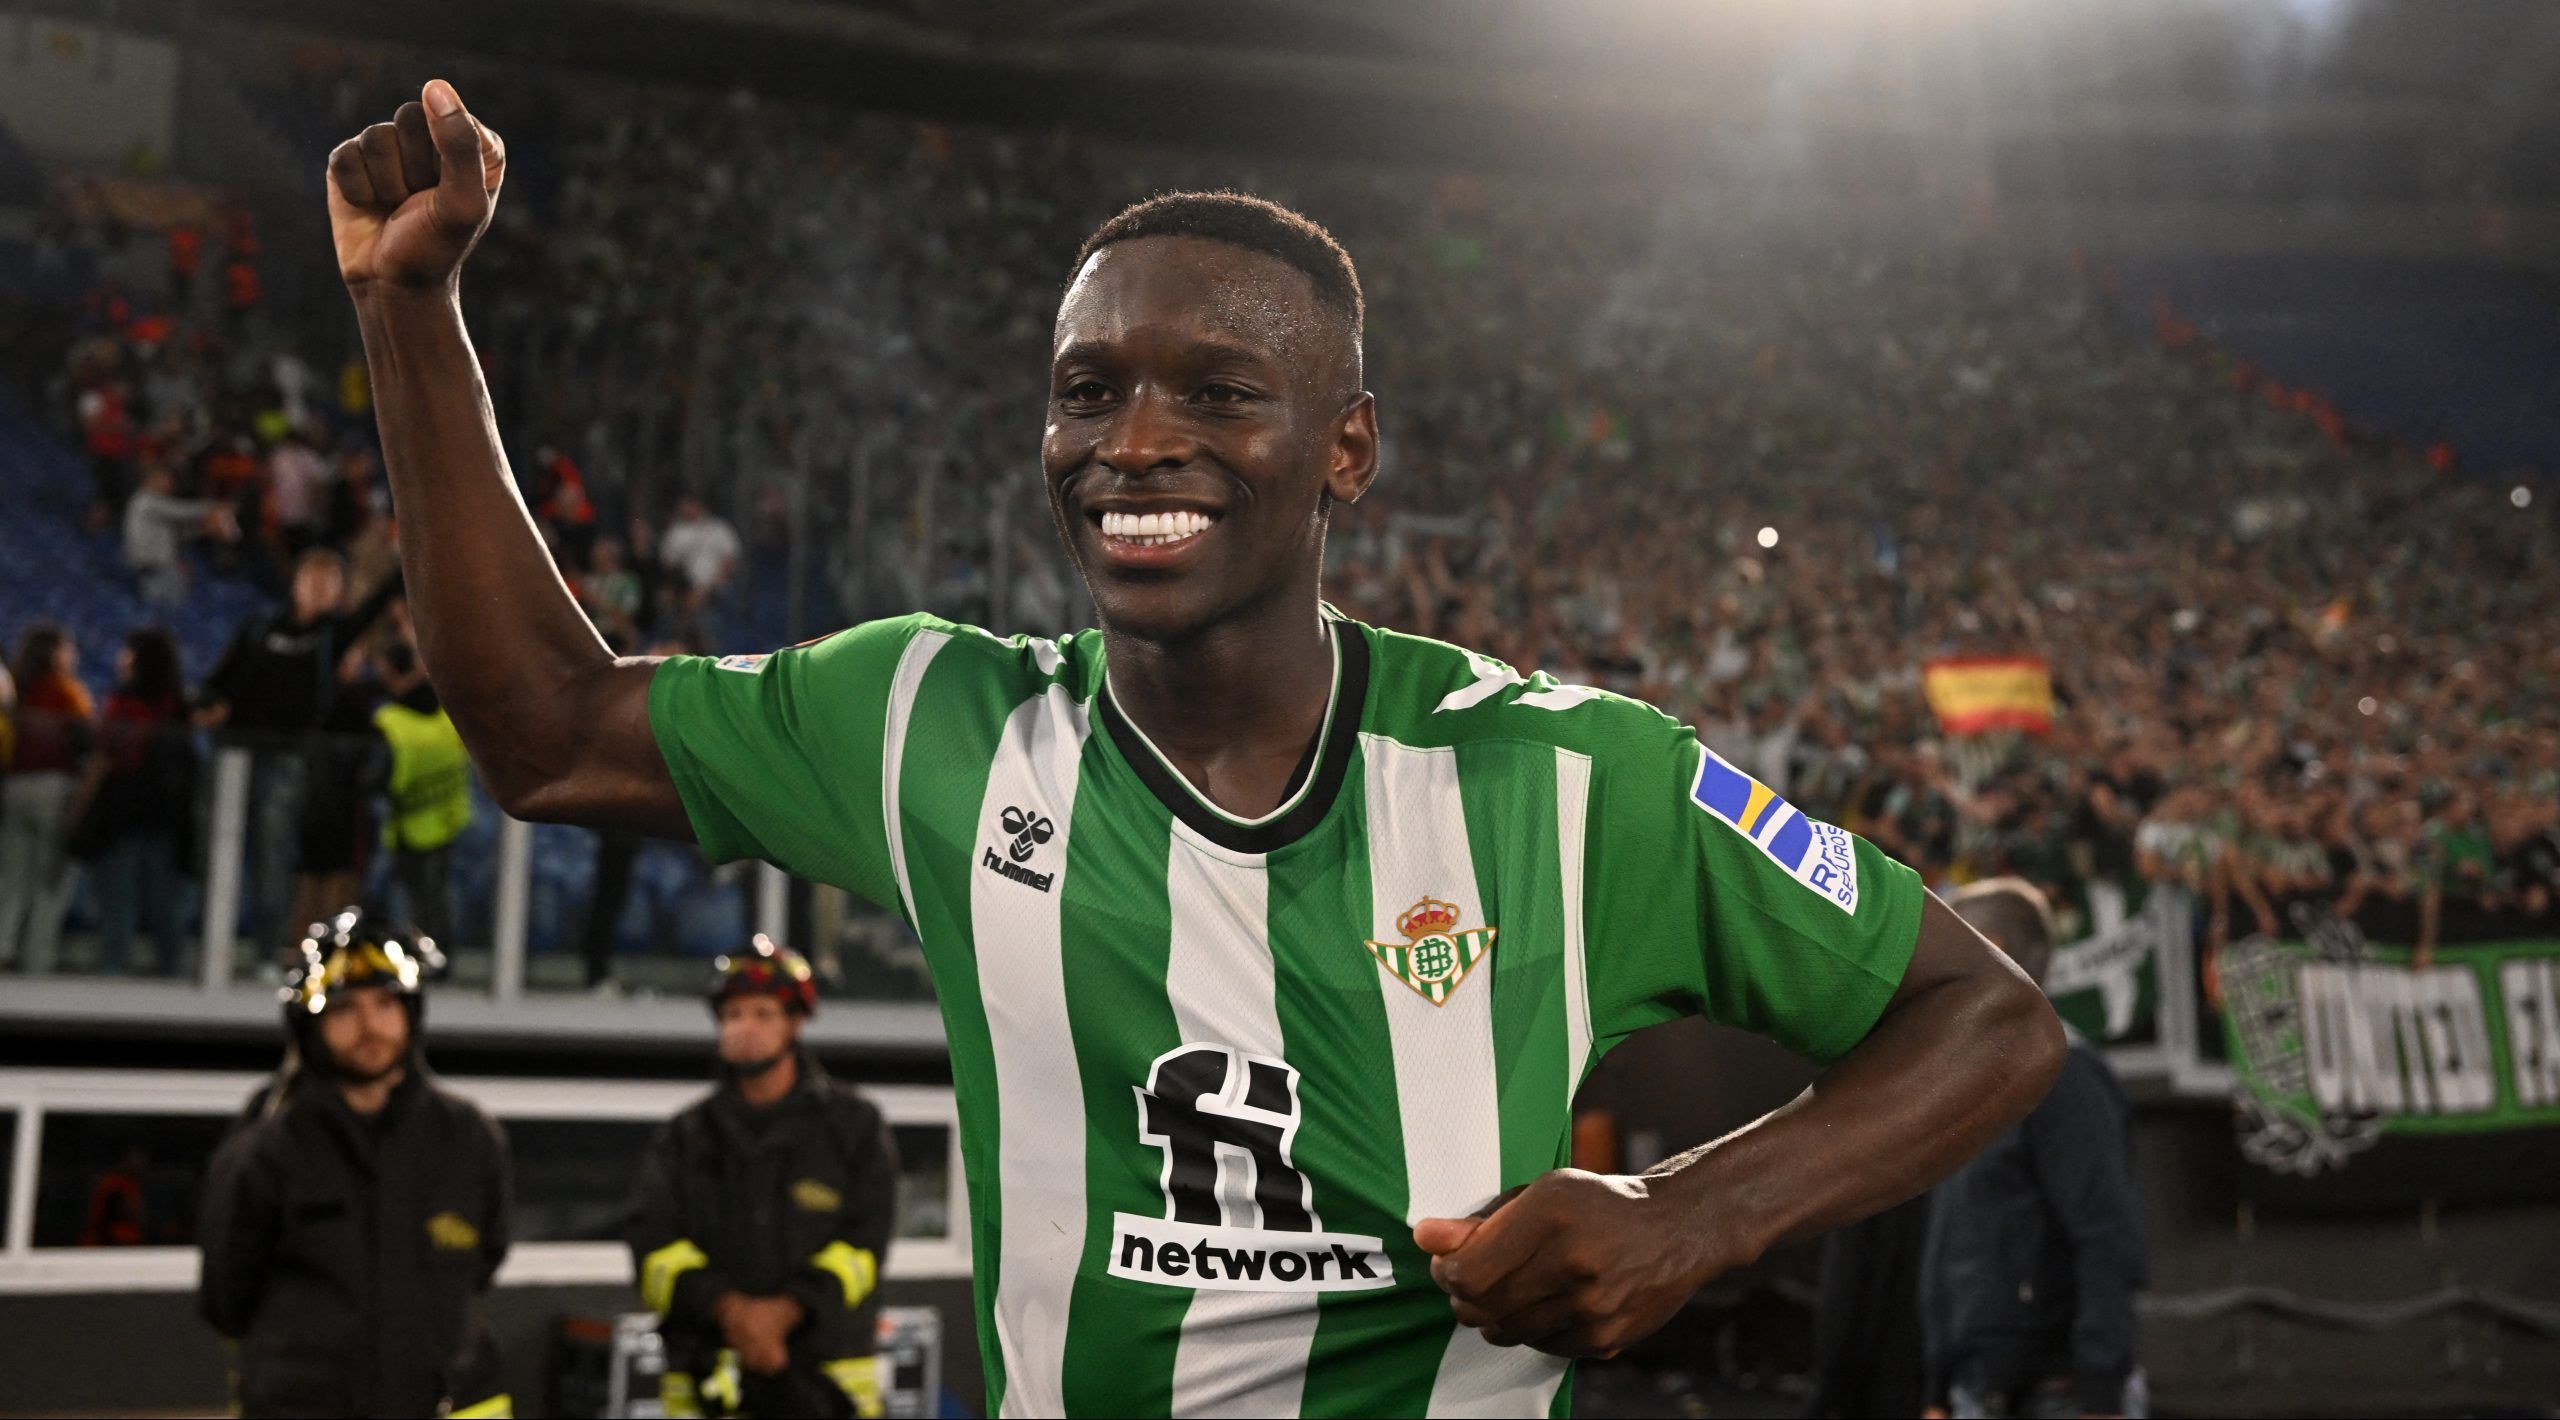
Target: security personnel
pixel 764 1215
pixel 352 1223
pixel 428 785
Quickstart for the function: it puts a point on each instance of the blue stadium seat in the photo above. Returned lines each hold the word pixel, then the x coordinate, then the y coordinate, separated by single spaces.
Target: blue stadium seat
pixel 52 566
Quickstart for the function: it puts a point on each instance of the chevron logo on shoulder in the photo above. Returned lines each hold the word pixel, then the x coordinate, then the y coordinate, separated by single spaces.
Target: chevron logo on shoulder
pixel 1816 854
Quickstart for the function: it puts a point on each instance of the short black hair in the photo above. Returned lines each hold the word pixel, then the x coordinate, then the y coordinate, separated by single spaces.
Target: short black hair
pixel 1240 219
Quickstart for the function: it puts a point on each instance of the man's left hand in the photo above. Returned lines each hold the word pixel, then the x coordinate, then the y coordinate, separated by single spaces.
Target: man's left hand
pixel 1576 1263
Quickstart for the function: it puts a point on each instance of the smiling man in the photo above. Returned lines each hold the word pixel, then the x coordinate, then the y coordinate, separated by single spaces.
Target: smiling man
pixel 1271 947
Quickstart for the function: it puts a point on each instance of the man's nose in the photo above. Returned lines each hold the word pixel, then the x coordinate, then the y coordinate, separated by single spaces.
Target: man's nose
pixel 1148 434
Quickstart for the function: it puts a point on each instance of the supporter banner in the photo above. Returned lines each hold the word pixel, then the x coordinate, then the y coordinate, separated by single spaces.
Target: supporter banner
pixel 2107 985
pixel 2362 1081
pixel 1974 695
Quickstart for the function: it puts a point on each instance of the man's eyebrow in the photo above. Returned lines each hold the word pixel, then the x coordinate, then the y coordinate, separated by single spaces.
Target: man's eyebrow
pixel 1199 351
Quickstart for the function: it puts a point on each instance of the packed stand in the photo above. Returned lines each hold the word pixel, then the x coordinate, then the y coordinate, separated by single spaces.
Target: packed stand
pixel 1758 475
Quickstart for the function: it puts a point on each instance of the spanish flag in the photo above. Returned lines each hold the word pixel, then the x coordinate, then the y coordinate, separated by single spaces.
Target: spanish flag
pixel 1974 695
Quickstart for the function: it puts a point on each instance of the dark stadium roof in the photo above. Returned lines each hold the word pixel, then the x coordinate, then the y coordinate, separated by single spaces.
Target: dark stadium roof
pixel 2366 102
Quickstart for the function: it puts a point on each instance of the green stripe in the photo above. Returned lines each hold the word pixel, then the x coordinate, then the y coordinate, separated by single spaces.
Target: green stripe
pixel 952 733
pixel 1116 934
pixel 1375 1353
pixel 1509 790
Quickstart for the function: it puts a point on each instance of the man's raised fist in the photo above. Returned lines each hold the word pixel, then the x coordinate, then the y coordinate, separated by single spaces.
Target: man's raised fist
pixel 408 198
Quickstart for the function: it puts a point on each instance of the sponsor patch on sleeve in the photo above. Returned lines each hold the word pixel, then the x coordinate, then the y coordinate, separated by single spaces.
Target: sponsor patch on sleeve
pixel 744 665
pixel 1814 853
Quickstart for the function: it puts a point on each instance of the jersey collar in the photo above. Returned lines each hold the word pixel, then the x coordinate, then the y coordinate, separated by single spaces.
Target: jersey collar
pixel 1319 779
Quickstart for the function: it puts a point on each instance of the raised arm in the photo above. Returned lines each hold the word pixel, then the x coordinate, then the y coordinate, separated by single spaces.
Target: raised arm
pixel 557 725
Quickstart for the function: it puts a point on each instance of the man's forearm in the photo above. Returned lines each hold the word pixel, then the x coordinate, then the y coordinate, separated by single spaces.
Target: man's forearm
pixel 496 626
pixel 1942 1074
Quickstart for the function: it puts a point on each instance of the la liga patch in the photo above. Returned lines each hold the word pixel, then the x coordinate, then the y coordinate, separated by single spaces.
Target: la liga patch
pixel 1816 854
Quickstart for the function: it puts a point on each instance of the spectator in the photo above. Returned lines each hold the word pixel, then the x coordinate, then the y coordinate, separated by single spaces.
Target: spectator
pixel 428 786
pixel 275 688
pixel 186 262
pixel 357 501
pixel 242 290
pixel 143 814
pixel 2036 1248
pixel 107 432
pixel 157 523
pixel 611 594
pixel 53 736
pixel 560 501
pixel 702 548
pixel 8 717
pixel 297 492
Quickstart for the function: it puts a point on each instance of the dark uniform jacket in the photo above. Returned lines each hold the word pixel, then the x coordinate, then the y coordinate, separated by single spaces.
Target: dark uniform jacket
pixel 796 1198
pixel 348 1256
pixel 2036 1249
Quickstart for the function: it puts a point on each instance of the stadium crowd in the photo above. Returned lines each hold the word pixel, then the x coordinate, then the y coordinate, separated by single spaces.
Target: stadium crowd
pixel 1759 475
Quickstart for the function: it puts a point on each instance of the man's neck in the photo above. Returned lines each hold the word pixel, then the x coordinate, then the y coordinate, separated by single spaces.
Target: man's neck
pixel 1234 707
pixel 368 1098
pixel 770 1086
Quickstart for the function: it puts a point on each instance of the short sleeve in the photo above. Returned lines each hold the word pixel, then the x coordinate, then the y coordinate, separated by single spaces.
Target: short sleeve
pixel 1714 896
pixel 779 756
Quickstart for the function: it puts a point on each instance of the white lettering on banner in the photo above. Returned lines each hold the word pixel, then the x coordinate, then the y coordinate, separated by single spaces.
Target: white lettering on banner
pixel 2384 1039
pixel 2531 987
pixel 1219 1258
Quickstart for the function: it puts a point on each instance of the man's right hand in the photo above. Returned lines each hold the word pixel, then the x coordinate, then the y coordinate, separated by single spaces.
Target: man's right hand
pixel 759 1330
pixel 409 198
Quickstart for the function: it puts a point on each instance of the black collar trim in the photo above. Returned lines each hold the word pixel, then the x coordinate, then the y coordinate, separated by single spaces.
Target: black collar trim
pixel 1338 740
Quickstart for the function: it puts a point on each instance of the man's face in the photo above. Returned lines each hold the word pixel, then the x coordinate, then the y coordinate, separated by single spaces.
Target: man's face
pixel 1201 401
pixel 317 584
pixel 367 1032
pixel 756 1029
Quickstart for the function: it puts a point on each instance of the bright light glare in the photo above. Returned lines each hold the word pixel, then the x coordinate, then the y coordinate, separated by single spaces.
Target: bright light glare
pixel 1768 537
pixel 2368 705
pixel 2522 497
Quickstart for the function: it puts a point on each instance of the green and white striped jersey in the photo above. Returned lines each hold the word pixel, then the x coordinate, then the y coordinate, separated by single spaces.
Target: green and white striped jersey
pixel 1211 1070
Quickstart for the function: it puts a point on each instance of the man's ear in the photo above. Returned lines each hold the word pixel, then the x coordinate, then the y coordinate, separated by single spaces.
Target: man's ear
pixel 1354 465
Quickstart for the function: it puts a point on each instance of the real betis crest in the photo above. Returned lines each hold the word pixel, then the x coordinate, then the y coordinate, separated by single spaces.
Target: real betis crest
pixel 1436 953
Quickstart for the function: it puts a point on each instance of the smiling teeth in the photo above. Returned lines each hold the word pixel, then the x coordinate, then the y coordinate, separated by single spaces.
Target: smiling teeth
pixel 1154 529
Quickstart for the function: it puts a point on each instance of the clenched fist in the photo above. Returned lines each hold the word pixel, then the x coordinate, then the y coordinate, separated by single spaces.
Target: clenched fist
pixel 1575 1264
pixel 409 198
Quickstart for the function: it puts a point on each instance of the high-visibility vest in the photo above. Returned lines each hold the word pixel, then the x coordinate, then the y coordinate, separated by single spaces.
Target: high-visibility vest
pixel 430 788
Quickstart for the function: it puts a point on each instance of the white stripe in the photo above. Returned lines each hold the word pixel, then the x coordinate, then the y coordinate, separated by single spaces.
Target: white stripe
pixel 903 685
pixel 1242 1353
pixel 1768 833
pixel 1444 1070
pixel 1039 1096
pixel 1573 807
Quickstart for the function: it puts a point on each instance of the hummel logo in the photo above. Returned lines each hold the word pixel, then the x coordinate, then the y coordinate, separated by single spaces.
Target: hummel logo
pixel 1029 831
